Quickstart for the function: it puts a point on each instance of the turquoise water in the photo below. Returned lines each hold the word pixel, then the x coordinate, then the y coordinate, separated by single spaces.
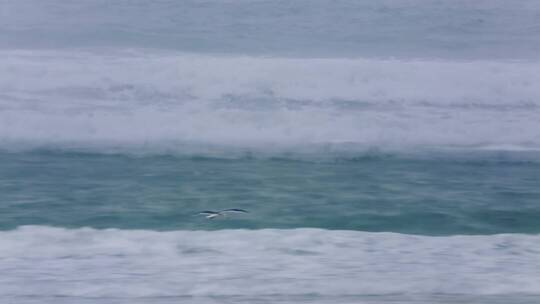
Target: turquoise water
pixel 369 193
pixel 387 151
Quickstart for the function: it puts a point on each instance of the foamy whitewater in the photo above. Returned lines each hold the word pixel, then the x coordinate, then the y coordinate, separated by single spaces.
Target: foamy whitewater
pixel 387 152
pixel 135 98
pixel 273 264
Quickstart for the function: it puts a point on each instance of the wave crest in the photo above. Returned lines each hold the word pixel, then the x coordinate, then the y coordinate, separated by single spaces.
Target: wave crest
pixel 150 98
pixel 113 263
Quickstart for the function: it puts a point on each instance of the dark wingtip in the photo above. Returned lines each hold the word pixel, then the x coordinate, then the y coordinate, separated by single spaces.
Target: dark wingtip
pixel 207 211
pixel 237 210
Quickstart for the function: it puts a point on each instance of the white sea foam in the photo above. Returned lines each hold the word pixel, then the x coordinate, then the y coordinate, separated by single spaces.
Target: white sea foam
pixel 150 98
pixel 38 261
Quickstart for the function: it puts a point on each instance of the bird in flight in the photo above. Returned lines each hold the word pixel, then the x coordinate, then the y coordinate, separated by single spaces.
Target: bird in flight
pixel 214 214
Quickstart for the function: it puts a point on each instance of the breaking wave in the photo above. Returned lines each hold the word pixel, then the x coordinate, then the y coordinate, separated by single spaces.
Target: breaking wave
pixel 163 102
pixel 139 263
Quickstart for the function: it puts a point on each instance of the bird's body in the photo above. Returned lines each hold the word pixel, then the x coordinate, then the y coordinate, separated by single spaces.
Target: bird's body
pixel 213 214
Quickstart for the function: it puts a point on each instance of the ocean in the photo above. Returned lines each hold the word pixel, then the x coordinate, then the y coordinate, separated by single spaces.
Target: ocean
pixel 386 151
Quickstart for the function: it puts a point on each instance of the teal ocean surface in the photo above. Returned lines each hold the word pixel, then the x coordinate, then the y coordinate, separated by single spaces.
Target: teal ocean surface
pixel 481 195
pixel 386 151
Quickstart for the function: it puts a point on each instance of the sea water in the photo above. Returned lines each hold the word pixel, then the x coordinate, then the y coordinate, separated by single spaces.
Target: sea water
pixel 386 151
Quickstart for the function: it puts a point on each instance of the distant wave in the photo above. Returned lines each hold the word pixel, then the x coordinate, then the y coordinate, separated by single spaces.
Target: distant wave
pixel 117 263
pixel 408 28
pixel 157 99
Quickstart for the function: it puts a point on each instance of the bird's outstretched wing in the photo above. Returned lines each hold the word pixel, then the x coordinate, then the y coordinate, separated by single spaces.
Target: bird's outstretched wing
pixel 234 210
pixel 207 212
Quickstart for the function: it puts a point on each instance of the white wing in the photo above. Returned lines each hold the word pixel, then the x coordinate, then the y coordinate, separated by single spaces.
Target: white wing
pixel 208 213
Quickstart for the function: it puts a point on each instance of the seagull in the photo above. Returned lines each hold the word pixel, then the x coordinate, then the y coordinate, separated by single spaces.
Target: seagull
pixel 213 214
